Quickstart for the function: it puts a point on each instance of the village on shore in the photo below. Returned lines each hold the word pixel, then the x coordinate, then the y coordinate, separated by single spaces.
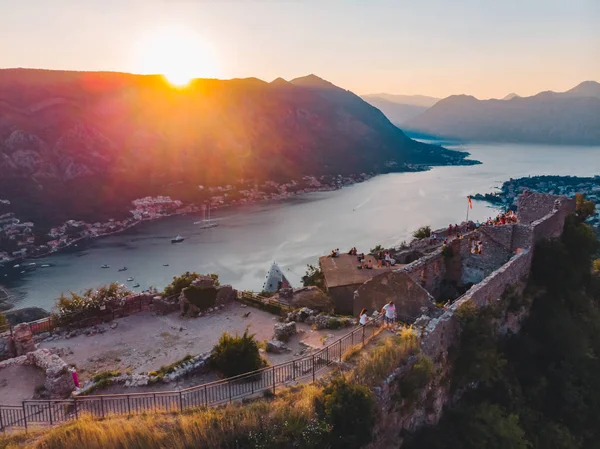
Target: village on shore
pixel 568 186
pixel 18 240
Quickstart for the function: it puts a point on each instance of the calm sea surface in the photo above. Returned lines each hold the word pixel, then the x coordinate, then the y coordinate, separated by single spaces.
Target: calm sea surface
pixel 384 210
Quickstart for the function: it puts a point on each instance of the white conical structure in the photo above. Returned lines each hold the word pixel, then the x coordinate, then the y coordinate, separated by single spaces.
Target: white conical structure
pixel 275 280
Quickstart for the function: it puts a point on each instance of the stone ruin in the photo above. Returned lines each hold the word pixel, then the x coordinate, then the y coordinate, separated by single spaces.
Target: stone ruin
pixel 215 296
pixel 59 380
pixel 23 339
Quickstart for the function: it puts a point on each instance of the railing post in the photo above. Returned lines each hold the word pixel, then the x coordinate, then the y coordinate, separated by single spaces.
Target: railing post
pixel 327 350
pixel 75 405
pixel 313 366
pixel 102 405
pixel 340 350
pixel 180 400
pixel 154 401
pixel 24 416
pixel 205 396
pixel 363 335
pixel 128 406
pixel 273 379
pixel 229 385
pixel 1 424
pixel 50 410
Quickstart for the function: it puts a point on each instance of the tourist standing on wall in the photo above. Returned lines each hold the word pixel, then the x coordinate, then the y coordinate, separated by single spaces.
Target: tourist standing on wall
pixel 389 314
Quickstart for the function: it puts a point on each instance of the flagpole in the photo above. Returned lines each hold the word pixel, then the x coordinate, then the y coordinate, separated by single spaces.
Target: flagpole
pixel 467 212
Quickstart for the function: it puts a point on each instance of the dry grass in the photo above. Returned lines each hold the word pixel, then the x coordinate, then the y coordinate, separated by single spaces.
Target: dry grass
pixel 384 358
pixel 214 428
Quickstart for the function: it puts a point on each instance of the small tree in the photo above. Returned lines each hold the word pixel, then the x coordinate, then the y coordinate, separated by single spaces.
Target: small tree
pixel 376 249
pixel 422 233
pixel 314 276
pixel 91 300
pixel 596 266
pixel 185 280
pixel 2 320
pixel 232 356
pixel 585 208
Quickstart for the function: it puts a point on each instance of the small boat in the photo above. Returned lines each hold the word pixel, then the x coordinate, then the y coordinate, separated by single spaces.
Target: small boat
pixel 45 265
pixel 136 285
pixel 123 269
pixel 129 279
pixel 17 266
pixel 177 239
pixel 165 264
pixel 104 266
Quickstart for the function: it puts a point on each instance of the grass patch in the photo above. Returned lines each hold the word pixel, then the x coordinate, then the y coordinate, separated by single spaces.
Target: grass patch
pixel 288 417
pixel 168 369
pixel 105 375
pixel 351 353
pixel 380 362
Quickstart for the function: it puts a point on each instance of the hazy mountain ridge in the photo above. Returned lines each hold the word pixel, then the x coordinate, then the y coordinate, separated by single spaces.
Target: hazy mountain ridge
pixel 110 136
pixel 400 108
pixel 571 117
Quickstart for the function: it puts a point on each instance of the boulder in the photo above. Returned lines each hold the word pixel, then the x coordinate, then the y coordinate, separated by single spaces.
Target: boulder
pixel 313 298
pixel 225 295
pixel 23 339
pixel 276 347
pixel 283 331
pixel 7 347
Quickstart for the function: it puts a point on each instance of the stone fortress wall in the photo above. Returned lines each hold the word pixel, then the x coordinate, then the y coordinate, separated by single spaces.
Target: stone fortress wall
pixel 544 217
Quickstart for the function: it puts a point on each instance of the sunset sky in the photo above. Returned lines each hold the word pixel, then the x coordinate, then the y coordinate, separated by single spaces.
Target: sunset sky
pixel 433 47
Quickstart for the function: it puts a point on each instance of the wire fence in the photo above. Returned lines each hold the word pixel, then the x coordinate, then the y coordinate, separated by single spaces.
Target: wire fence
pixel 50 412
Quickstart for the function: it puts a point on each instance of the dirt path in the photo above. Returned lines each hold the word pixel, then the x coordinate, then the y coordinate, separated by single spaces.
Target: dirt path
pixel 144 342
pixel 18 383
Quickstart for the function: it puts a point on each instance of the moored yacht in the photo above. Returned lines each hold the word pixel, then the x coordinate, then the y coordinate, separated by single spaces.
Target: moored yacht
pixel 177 239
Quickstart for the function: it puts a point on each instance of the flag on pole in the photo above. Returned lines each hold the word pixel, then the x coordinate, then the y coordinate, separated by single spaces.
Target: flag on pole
pixel 470 202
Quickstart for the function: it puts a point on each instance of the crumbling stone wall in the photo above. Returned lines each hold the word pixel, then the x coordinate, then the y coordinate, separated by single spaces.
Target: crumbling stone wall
pixel 23 339
pixel 552 224
pixel 495 252
pixel 7 347
pixel 429 271
pixel 59 380
pixel 410 298
pixel 532 206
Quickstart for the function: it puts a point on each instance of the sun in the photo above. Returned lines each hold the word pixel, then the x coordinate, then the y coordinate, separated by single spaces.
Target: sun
pixel 180 56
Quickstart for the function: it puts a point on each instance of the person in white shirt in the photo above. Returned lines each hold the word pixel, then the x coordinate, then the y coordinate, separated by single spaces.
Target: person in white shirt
pixel 363 317
pixel 389 312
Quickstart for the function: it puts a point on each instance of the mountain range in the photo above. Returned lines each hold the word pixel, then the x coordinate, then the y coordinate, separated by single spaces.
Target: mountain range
pixel 571 117
pixel 78 144
pixel 400 108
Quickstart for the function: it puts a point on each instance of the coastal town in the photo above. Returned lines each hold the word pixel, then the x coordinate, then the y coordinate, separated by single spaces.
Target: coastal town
pixel 18 239
pixel 568 186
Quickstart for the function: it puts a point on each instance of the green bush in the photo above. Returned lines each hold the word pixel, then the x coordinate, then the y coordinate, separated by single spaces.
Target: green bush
pixel 415 380
pixel 185 280
pixel 91 300
pixel 314 276
pixel 447 251
pixel 349 408
pixel 167 369
pixel 422 232
pixel 201 297
pixel 3 321
pixel 236 355
pixel 334 323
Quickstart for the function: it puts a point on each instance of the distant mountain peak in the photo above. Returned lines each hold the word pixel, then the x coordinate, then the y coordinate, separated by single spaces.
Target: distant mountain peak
pixel 511 96
pixel 313 81
pixel 279 82
pixel 586 89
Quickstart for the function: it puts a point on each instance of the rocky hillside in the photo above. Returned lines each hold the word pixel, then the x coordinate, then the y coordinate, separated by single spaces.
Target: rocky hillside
pixel 571 117
pixel 71 139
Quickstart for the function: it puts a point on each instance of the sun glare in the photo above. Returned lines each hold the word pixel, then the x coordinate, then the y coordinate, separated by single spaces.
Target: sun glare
pixel 178 55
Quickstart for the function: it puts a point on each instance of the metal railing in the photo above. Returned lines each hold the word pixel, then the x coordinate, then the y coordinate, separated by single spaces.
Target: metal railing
pixel 82 319
pixel 50 412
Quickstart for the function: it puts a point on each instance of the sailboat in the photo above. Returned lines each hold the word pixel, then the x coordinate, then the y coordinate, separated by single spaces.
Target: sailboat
pixel 206 221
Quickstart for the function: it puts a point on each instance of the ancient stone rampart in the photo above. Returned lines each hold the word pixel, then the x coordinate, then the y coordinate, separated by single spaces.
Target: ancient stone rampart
pixel 540 217
pixel 429 271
